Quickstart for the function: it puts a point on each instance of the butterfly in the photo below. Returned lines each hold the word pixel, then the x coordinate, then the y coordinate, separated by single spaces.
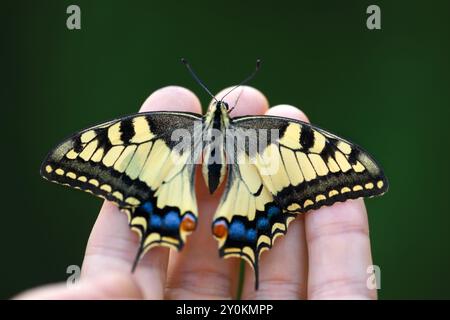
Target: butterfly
pixel 275 168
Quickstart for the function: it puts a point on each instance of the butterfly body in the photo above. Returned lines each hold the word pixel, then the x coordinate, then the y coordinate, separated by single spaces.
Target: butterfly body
pixel 274 168
pixel 215 123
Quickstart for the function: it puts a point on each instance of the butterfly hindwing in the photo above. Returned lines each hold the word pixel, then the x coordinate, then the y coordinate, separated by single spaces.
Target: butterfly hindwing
pixel 248 219
pixel 303 168
pixel 132 162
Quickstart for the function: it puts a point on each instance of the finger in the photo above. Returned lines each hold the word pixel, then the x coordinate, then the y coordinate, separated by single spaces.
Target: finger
pixel 110 286
pixel 112 245
pixel 172 98
pixel 282 270
pixel 339 252
pixel 197 272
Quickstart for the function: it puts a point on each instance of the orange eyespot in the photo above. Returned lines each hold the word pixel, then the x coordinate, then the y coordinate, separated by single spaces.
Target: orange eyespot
pixel 188 223
pixel 220 229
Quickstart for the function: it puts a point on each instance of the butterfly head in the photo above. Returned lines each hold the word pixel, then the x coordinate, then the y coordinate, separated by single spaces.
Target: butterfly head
pixel 220 105
pixel 218 114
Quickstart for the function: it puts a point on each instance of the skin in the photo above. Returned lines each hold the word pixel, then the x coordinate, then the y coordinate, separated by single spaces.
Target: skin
pixel 325 254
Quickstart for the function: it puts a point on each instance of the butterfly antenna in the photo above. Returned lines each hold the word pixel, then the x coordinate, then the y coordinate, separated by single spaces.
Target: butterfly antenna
pixel 197 79
pixel 236 101
pixel 138 257
pixel 250 77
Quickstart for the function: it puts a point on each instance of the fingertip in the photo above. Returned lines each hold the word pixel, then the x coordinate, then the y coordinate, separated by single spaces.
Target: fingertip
pixel 339 248
pixel 251 101
pixel 350 212
pixel 172 98
pixel 288 111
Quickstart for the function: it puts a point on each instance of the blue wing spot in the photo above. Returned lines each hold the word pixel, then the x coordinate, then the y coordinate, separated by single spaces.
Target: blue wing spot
pixel 251 235
pixel 155 221
pixel 273 211
pixel 262 223
pixel 171 220
pixel 237 231
pixel 148 207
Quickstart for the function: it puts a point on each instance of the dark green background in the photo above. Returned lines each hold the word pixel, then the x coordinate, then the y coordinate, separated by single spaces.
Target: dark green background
pixel 387 90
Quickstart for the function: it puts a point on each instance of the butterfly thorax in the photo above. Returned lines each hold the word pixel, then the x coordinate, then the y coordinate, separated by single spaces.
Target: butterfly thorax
pixel 215 123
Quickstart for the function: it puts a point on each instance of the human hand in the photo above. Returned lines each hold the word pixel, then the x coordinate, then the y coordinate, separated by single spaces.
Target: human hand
pixel 324 255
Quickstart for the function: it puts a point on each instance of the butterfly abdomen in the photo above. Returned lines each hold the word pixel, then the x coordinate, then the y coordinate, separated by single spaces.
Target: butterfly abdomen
pixel 214 166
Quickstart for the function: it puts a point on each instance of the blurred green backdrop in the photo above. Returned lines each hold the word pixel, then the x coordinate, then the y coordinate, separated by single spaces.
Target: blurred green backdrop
pixel 387 90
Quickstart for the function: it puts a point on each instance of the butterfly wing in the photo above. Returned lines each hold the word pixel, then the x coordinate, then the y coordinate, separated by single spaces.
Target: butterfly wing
pixel 134 163
pixel 295 167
